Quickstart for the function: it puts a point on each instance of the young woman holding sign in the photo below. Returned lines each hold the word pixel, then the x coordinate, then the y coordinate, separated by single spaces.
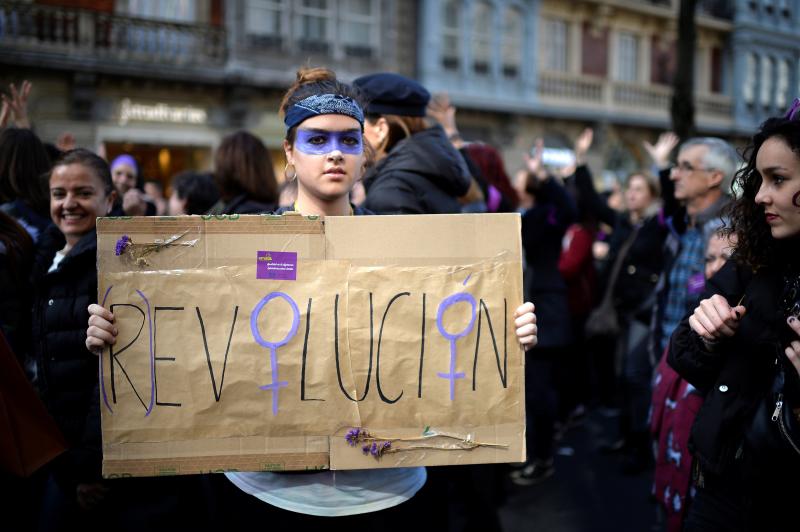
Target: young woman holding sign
pixel 326 154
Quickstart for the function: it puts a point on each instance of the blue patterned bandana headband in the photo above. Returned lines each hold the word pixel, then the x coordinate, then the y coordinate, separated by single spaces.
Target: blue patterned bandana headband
pixel 323 104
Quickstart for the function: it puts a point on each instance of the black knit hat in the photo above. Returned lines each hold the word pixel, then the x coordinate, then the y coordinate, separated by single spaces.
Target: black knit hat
pixel 393 94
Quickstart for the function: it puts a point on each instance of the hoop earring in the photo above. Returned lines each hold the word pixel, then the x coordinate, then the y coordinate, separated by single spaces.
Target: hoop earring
pixel 286 172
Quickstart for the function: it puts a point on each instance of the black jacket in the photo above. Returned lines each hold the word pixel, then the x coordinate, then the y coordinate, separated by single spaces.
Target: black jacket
pixel 642 265
pixel 423 174
pixel 543 228
pixel 738 373
pixel 67 373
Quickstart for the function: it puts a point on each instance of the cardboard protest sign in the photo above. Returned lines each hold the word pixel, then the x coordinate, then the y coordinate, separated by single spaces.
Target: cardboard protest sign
pixel 261 342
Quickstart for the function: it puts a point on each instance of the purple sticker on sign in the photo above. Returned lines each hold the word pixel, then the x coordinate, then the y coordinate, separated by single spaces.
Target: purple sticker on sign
pixel 277 265
pixel 696 284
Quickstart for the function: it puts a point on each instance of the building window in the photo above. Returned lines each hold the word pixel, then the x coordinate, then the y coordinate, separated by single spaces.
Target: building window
pixel 451 34
pixel 554 45
pixel 782 84
pixel 161 40
pixel 360 21
pixel 512 42
pixel 766 81
pixel 594 50
pixel 311 25
pixel 627 57
pixel 749 88
pixel 263 22
pixel 351 27
pixel 172 10
pixel 482 37
pixel 716 70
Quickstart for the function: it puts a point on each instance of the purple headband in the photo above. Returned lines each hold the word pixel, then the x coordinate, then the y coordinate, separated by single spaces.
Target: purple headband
pixel 794 111
pixel 124 159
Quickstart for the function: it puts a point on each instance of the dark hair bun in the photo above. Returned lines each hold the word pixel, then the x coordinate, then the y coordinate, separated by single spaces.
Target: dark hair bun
pixel 307 76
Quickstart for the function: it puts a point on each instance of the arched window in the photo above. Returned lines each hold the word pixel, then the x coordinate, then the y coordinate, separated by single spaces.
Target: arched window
pixel 512 42
pixel 482 37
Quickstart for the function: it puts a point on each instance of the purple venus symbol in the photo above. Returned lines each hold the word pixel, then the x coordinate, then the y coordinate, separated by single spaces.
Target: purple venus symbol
pixel 445 304
pixel 275 385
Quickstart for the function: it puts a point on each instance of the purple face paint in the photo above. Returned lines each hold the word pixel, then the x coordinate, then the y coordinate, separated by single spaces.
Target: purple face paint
pixel 275 385
pixel 795 199
pixel 447 303
pixel 323 142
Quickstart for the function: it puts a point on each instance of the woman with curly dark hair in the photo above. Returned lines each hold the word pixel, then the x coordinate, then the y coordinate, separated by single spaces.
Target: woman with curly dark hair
pixel 741 346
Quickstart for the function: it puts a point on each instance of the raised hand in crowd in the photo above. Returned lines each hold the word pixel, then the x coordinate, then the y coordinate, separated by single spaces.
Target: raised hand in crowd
pixel 714 319
pixel 5 112
pixel 66 141
pixel 16 106
pixel 134 202
pixel 582 145
pixel 534 163
pixel 444 112
pixel 661 150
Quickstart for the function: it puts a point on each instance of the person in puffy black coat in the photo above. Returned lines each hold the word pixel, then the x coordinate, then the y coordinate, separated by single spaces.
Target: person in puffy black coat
pixel 418 171
pixel 65 283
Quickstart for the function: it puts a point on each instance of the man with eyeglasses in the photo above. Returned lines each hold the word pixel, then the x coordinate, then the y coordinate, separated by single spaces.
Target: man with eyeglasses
pixel 701 180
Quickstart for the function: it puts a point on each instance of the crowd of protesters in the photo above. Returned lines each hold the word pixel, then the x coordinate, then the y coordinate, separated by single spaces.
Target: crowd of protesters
pixel 668 312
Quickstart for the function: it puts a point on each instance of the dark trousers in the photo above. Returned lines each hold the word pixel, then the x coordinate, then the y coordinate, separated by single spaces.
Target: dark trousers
pixel 131 504
pixel 541 402
pixel 736 502
pixel 572 372
pixel 637 372
pixel 605 371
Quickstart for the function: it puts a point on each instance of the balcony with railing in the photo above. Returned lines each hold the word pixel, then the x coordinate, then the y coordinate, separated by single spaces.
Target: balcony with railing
pixel 43 35
pixel 624 100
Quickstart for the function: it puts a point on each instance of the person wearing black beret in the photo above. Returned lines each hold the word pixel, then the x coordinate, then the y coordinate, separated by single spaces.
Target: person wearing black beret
pixel 417 170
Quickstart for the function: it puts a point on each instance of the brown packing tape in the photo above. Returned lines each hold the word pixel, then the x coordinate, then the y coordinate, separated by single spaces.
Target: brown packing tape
pixel 213 464
pixel 381 280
